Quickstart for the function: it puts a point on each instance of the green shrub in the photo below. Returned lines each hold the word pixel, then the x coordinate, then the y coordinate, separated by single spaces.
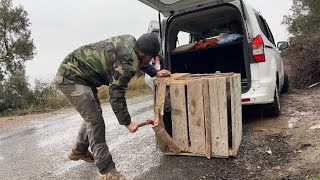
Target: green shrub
pixel 136 87
pixel 14 92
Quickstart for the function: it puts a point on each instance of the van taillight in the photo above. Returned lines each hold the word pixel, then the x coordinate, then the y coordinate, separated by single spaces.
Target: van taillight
pixel 246 100
pixel 258 49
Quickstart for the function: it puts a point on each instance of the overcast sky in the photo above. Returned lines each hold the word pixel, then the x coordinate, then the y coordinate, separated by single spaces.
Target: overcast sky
pixel 60 26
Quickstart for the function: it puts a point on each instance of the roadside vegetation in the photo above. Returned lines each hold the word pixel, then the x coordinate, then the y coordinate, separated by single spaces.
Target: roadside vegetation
pixel 17 98
pixel 303 61
pixel 302 58
pixel 136 87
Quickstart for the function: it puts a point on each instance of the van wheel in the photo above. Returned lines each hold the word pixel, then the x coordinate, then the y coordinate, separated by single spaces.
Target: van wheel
pixel 273 109
pixel 285 87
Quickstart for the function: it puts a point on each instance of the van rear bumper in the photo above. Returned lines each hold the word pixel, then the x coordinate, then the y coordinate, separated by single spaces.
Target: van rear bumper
pixel 259 95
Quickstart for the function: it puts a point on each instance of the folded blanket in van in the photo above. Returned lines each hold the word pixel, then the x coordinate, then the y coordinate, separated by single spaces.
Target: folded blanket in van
pixel 230 38
pixel 206 43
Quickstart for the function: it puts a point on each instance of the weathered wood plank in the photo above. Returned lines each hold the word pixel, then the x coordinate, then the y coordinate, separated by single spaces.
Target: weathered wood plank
pixel 219 116
pixel 160 94
pixel 179 115
pixel 207 121
pixel 172 79
pixel 166 139
pixel 236 110
pixel 193 155
pixel 203 76
pixel 196 116
pixel 158 112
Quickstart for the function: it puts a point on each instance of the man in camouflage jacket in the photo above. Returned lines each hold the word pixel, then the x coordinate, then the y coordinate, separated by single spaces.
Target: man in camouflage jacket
pixel 112 62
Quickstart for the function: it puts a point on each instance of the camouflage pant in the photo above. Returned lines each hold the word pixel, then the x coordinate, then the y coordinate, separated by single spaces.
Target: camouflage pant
pixel 92 131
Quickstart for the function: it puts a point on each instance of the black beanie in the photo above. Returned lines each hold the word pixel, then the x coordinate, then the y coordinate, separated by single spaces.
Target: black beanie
pixel 149 44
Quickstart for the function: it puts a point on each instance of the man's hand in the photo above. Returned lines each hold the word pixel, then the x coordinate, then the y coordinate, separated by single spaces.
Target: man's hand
pixel 132 127
pixel 163 73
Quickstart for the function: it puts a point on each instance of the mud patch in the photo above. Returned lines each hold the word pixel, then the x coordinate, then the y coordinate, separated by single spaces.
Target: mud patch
pixel 263 156
pixel 315 127
pixel 252 162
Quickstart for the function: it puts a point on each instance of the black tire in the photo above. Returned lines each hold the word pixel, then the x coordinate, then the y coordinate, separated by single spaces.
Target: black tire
pixel 285 87
pixel 273 109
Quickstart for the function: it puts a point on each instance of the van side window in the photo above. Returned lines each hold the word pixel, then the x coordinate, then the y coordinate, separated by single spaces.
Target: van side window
pixel 265 28
pixel 183 38
pixel 270 33
pixel 156 33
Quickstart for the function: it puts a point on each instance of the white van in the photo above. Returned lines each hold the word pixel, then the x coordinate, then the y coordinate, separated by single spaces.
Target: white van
pixel 153 28
pixel 252 53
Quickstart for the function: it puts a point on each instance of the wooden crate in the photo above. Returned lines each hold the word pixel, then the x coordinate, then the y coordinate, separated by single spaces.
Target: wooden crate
pixel 205 113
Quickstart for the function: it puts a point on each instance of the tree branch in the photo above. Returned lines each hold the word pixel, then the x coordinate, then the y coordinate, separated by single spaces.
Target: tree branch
pixel 6 44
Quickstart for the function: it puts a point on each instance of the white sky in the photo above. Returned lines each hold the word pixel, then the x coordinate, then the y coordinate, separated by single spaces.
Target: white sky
pixel 60 26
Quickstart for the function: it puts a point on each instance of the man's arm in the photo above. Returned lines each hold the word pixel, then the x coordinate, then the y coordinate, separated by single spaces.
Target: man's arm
pixel 152 72
pixel 149 69
pixel 117 91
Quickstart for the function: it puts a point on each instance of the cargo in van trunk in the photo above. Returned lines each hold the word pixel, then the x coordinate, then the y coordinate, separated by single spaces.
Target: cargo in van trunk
pixel 224 58
pixel 208 24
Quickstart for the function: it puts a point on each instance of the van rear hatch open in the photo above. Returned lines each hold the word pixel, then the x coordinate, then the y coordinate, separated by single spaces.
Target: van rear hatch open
pixel 204 19
pixel 169 7
pixel 205 25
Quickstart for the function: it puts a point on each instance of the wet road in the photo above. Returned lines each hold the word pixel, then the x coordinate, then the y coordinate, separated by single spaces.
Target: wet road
pixel 286 147
pixel 38 149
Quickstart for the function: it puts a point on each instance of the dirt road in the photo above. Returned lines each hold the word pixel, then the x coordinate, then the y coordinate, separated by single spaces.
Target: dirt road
pixel 287 147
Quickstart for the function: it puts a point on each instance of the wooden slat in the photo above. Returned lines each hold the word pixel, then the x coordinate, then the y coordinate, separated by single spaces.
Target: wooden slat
pixel 159 102
pixel 179 115
pixel 164 142
pixel 192 154
pixel 166 139
pixel 177 75
pixel 186 154
pixel 196 116
pixel 158 112
pixel 219 117
pixel 236 116
pixel 207 121
pixel 203 76
pixel 172 79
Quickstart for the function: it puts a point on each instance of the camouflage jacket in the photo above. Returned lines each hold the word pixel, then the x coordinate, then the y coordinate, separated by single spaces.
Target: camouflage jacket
pixel 111 62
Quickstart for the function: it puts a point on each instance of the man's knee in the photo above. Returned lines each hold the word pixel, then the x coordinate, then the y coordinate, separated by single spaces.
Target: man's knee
pixel 89 109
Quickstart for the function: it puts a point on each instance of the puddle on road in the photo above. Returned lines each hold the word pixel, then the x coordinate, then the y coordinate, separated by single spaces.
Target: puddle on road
pixel 294 116
pixel 315 127
pixel 294 112
pixel 274 125
pixel 292 122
